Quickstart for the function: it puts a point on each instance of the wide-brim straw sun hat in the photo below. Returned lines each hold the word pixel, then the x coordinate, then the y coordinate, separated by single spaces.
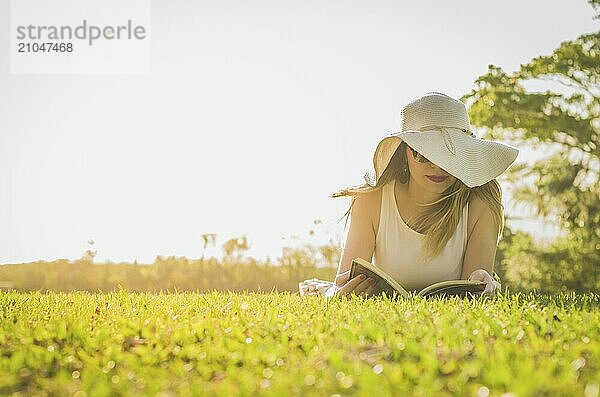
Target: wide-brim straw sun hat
pixel 438 127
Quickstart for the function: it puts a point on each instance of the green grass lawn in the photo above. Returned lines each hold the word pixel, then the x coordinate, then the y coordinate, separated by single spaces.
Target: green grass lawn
pixel 280 344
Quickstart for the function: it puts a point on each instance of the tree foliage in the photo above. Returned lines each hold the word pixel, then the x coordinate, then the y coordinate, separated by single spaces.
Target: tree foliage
pixel 565 185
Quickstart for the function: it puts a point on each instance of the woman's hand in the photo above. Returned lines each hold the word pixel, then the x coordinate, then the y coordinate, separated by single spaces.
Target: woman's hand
pixel 360 285
pixel 492 286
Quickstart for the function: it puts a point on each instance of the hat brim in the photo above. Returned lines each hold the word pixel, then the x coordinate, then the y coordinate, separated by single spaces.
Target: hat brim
pixel 472 160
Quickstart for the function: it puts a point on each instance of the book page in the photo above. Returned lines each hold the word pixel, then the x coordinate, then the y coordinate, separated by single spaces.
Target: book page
pixel 453 287
pixel 385 283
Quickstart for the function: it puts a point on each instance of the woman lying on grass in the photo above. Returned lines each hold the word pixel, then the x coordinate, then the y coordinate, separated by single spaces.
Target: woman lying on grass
pixel 431 210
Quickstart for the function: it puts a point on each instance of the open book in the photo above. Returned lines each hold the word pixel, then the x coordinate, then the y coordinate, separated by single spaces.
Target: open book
pixel 385 283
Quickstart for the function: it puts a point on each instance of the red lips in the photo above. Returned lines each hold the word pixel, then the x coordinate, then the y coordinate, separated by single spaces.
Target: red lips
pixel 437 178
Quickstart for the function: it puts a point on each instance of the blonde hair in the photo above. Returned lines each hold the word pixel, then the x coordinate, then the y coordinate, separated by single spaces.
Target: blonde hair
pixel 442 215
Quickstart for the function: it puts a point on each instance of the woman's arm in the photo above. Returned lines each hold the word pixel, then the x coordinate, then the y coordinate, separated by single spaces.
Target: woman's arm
pixel 481 247
pixel 360 241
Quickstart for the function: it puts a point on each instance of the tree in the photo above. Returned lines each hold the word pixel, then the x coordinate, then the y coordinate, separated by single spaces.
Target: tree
pixel 234 248
pixel 90 253
pixel 565 185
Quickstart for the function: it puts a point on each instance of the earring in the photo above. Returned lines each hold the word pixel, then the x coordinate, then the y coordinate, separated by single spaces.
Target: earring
pixel 404 173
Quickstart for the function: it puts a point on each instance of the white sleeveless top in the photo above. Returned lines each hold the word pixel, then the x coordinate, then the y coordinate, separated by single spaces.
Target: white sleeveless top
pixel 398 248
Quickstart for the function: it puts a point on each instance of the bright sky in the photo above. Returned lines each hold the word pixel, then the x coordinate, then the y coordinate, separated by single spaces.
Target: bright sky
pixel 254 112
